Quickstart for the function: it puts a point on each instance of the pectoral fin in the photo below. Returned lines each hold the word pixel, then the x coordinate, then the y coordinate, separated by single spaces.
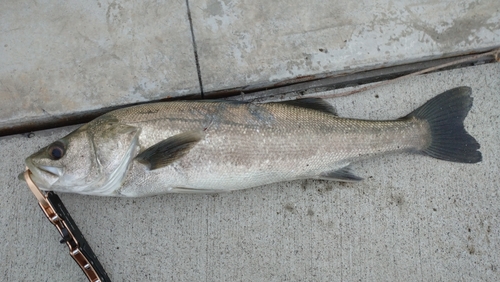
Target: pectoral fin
pixel 344 174
pixel 169 150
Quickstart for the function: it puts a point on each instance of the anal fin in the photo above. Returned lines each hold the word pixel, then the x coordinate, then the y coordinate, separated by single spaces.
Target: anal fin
pixel 344 174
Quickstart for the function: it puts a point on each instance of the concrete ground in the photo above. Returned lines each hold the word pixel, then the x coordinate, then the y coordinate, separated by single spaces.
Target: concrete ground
pixel 412 218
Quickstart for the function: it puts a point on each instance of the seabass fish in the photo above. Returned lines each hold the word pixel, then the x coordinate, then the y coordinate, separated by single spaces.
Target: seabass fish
pixel 213 146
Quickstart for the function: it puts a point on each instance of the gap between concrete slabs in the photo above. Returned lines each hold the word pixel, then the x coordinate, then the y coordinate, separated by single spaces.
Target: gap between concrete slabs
pixel 291 88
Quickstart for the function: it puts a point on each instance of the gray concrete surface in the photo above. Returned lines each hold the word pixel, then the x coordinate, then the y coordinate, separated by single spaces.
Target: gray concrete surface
pixel 412 219
pixel 73 56
pixel 250 42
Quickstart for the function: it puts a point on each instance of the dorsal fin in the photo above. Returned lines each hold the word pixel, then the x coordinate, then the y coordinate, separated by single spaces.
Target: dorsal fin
pixel 313 104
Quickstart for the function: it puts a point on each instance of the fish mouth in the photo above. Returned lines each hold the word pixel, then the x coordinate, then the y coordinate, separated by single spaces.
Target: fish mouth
pixel 43 176
pixel 54 171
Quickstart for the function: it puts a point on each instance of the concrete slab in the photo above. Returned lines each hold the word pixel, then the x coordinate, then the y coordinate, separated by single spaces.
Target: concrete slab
pixel 412 218
pixel 67 57
pixel 252 44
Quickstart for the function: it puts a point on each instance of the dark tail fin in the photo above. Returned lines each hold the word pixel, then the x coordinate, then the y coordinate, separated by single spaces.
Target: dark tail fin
pixel 445 114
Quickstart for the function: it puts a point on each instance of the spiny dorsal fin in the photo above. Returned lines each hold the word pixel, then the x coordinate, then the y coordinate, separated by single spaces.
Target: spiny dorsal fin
pixel 344 174
pixel 169 150
pixel 313 104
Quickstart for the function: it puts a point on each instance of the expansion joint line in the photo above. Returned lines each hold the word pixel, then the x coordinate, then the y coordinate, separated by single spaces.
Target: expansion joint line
pixel 495 53
pixel 195 49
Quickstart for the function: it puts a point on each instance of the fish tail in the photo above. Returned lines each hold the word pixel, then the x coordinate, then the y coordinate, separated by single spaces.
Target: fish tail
pixel 445 114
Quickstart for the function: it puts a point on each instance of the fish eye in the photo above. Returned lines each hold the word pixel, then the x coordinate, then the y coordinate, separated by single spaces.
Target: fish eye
pixel 56 150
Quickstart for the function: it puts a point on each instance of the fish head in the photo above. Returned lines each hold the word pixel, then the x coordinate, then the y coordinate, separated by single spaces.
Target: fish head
pixel 67 162
pixel 92 160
